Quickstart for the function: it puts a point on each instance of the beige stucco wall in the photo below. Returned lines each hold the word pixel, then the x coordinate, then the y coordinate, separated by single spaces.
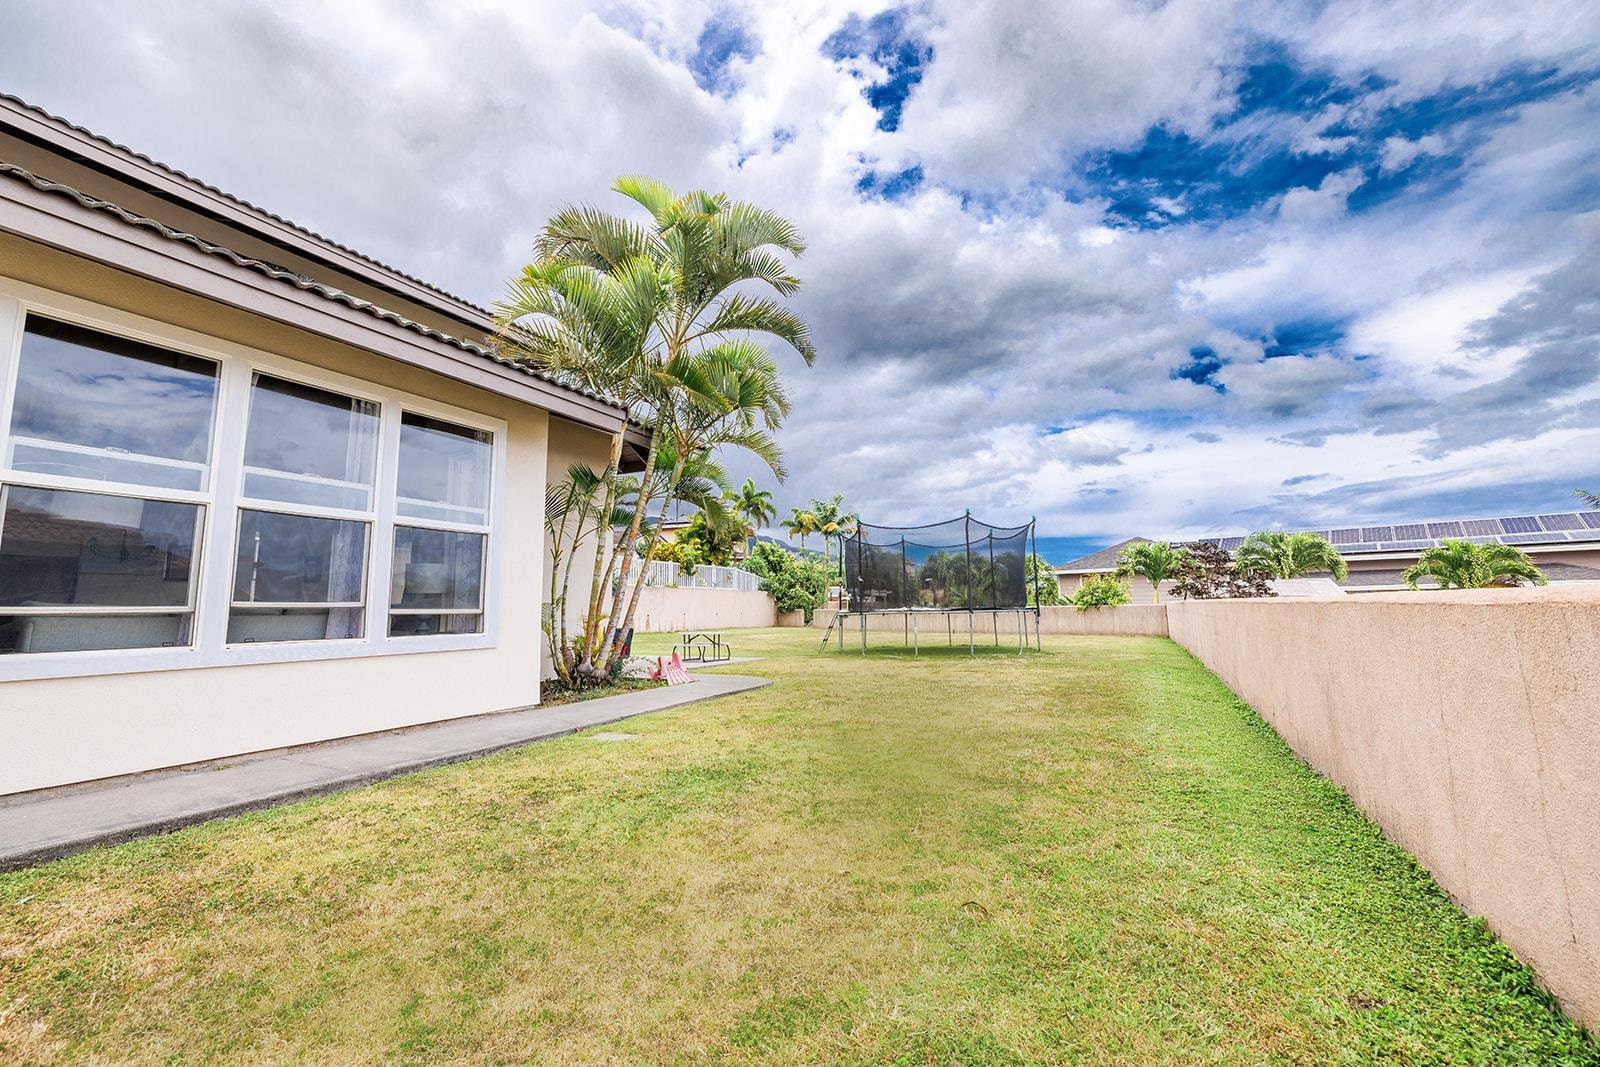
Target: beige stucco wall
pixel 1467 724
pixel 664 610
pixel 56 731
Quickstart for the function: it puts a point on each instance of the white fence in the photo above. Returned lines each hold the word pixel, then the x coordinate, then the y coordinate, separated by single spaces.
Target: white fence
pixel 663 575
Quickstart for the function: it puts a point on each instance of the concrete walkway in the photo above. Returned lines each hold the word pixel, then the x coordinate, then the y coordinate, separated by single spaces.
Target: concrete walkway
pixel 58 823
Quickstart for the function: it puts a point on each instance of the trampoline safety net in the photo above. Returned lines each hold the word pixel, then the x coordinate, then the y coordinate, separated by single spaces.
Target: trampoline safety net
pixel 962 564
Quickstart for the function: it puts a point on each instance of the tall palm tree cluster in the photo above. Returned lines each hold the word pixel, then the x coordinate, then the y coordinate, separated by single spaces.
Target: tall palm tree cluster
pixel 825 517
pixel 657 314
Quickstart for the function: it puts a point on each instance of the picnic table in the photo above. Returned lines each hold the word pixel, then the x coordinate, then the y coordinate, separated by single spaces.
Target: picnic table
pixel 703 646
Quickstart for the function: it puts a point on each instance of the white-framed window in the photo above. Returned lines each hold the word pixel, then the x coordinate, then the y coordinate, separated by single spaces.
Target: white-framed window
pixel 441 532
pixel 172 500
pixel 307 503
pixel 107 452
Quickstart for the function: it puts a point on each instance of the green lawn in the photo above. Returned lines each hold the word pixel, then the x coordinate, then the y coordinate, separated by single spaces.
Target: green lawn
pixel 1090 855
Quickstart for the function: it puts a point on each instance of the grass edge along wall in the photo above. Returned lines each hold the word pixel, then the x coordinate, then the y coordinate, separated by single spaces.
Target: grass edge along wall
pixel 1464 724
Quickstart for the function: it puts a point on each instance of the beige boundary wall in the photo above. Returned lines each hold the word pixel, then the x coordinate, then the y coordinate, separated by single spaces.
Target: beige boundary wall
pixel 667 610
pixel 1129 620
pixel 1466 724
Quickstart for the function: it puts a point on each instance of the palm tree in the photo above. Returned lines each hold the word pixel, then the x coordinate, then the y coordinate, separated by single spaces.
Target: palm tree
pixel 1467 565
pixel 1290 555
pixel 750 402
pixel 629 310
pixel 1590 500
pixel 753 505
pixel 1154 561
pixel 800 524
pixel 833 522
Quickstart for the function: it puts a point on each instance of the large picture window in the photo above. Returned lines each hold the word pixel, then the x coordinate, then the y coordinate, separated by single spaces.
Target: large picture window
pixel 437 571
pixel 161 508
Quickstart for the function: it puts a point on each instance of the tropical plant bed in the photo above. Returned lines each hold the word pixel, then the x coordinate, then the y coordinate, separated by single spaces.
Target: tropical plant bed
pixel 551 696
pixel 1091 854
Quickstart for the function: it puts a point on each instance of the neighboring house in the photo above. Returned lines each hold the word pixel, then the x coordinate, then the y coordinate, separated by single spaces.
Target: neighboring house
pixel 1565 545
pixel 256 489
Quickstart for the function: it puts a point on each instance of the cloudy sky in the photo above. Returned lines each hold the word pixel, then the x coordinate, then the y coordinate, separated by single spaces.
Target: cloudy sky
pixel 1151 268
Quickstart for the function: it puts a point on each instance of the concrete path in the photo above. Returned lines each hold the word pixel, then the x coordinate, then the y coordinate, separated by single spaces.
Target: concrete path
pixel 56 823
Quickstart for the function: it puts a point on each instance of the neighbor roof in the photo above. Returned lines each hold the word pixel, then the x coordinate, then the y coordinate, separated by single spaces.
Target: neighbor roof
pixel 1103 560
pixel 1555 572
pixel 1541 531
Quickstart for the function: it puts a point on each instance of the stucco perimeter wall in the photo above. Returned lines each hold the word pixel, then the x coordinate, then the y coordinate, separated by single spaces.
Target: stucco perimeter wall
pixel 1129 620
pixel 665 610
pixel 1467 724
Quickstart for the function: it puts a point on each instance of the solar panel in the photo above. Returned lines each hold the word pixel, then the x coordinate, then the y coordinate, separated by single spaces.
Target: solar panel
pixel 1345 537
pixel 1591 519
pixel 1362 546
pixel 1569 521
pixel 1230 544
pixel 1445 529
pixel 1481 527
pixel 1411 531
pixel 1484 539
pixel 1533 538
pixel 1521 524
pixel 1377 533
pixel 1406 546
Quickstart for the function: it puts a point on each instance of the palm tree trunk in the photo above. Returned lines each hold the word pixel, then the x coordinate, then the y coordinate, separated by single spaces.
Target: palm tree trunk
pixel 591 617
pixel 604 650
pixel 650 549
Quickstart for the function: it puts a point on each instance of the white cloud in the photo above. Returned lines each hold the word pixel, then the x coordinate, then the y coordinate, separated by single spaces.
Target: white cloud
pixel 959 324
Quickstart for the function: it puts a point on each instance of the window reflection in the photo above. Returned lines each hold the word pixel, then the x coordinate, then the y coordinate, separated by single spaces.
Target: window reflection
pixel 310 446
pixel 89 405
pixel 444 470
pixel 63 548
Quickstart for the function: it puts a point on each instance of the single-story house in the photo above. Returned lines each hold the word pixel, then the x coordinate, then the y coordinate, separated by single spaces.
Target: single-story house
pixel 1565 545
pixel 256 488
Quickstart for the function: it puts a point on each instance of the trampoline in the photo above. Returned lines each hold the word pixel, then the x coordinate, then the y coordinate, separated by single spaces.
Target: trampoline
pixel 959 568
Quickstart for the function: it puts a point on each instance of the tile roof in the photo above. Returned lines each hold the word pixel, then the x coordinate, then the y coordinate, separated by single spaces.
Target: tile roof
pixel 1524 531
pixel 288 277
pixel 1103 560
pixel 231 198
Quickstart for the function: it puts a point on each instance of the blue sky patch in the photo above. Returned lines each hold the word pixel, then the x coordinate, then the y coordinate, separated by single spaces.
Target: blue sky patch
pixel 1201 369
pixel 1249 158
pixel 887 41
pixel 889 186
pixel 721 41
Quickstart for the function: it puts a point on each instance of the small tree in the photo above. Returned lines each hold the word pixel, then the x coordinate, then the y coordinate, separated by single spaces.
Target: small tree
pixel 1100 591
pixel 1154 561
pixel 795 584
pixel 1291 555
pixel 1209 573
pixel 1590 500
pixel 1467 565
pixel 1042 577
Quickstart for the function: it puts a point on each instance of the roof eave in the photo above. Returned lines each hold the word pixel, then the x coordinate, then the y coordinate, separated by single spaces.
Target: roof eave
pixel 127 166
pixel 60 223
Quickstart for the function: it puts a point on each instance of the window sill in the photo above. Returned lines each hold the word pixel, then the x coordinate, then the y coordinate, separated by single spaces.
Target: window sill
pixel 38 666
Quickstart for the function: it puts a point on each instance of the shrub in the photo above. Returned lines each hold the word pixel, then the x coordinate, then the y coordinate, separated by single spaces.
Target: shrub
pixel 1207 573
pixel 1100 591
pixel 795 584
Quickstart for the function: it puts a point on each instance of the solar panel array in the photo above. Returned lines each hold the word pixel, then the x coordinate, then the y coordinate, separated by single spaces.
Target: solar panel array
pixel 1413 536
